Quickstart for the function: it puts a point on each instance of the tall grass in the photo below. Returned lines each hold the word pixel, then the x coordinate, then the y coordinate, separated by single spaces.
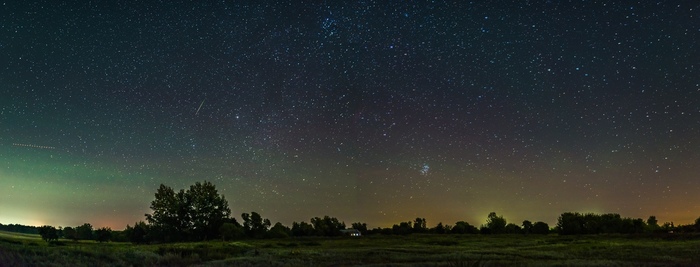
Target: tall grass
pixel 412 250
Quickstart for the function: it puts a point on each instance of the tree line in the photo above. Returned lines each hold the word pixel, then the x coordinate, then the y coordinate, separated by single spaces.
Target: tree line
pixel 18 228
pixel 82 232
pixel 201 213
pixel 574 223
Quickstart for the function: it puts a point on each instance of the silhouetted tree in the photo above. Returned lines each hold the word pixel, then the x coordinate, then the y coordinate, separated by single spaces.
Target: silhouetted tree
pixel 197 213
pixel 462 227
pixel 448 228
pixel 137 234
pixel 103 234
pixel 570 223
pixel 540 228
pixel 632 226
pixel 697 224
pixel 327 226
pixel 495 224
pixel 652 224
pixel 439 228
pixel 610 223
pixel 302 229
pixel 70 233
pixel 208 210
pixel 420 225
pixel 593 224
pixel 254 225
pixel 59 232
pixel 279 231
pixel 527 227
pixel 184 211
pixel 402 228
pixel 168 219
pixel 84 232
pixel 48 233
pixel 576 224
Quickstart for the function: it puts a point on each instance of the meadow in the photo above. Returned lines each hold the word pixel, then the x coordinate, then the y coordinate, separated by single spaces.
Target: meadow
pixel 410 250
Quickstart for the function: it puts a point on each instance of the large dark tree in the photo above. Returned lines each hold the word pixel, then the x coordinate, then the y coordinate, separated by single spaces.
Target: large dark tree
pixel 48 233
pixel 165 220
pixel 495 224
pixel 462 227
pixel 103 234
pixel 183 212
pixel 84 232
pixel 197 213
pixel 652 224
pixel 540 228
pixel 70 233
pixel 570 223
pixel 208 211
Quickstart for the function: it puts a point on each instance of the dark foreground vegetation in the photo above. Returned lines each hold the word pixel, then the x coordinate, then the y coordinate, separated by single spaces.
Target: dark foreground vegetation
pixel 195 226
pixel 377 250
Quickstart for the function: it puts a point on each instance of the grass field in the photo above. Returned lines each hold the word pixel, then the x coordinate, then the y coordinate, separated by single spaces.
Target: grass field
pixel 412 250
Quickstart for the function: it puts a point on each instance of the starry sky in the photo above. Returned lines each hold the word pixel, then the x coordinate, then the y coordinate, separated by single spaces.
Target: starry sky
pixel 370 111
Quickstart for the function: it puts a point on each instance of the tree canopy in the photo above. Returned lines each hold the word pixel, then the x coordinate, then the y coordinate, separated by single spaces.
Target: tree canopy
pixel 84 232
pixel 48 233
pixel 195 214
pixel 574 223
pixel 103 234
pixel 495 224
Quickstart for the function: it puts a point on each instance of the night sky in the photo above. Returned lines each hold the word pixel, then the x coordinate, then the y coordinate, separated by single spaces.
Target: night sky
pixel 366 111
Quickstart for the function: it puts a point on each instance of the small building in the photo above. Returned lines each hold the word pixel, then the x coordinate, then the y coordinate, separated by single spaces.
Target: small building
pixel 351 232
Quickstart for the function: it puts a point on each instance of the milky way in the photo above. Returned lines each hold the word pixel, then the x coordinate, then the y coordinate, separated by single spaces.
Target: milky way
pixel 365 111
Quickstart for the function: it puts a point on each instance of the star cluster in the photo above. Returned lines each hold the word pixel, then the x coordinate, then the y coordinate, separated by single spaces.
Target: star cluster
pixel 367 111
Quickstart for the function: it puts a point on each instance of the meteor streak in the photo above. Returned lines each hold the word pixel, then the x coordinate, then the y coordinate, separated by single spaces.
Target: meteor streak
pixel 200 107
pixel 33 146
